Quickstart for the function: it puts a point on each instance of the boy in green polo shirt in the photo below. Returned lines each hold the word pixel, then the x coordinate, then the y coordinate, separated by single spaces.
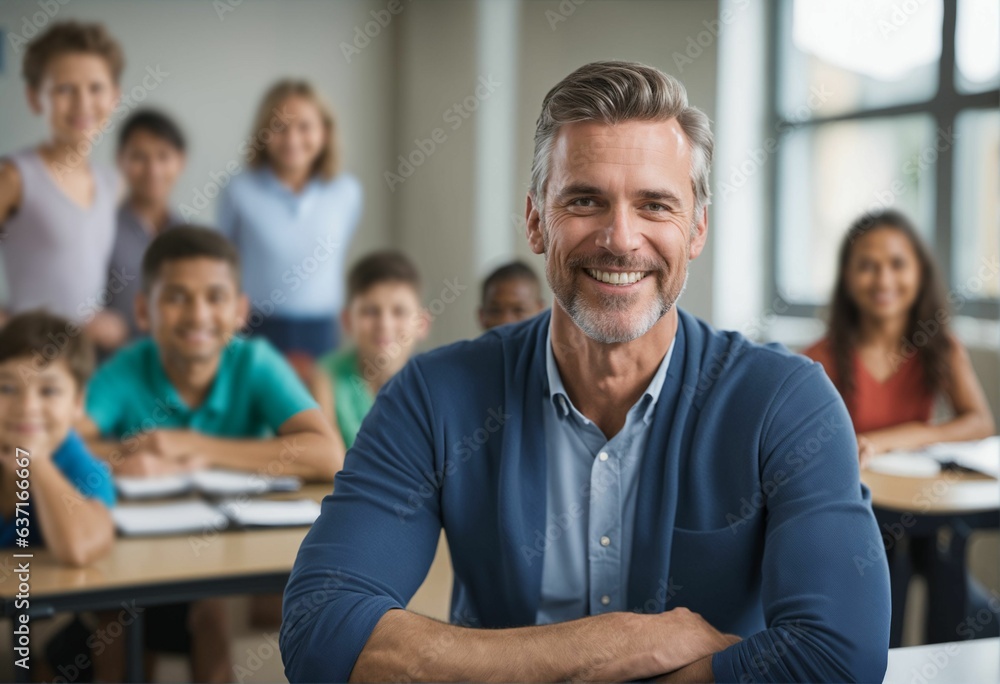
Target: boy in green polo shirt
pixel 194 395
pixel 385 320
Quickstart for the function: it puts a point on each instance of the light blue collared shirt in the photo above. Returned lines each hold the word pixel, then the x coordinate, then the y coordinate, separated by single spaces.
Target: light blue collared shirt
pixel 293 245
pixel 590 509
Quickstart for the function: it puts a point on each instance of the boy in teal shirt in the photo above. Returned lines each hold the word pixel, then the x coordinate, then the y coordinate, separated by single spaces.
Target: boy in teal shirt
pixel 385 320
pixel 194 395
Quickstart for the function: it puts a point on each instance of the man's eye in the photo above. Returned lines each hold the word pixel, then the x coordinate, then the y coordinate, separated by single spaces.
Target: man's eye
pixel 50 391
pixel 656 206
pixel 7 388
pixel 583 202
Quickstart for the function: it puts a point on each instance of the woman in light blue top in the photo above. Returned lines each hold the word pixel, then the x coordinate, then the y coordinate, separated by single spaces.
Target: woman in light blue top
pixel 292 216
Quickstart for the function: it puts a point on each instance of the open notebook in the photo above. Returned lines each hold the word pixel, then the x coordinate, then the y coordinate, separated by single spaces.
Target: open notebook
pixel 214 483
pixel 185 517
pixel 982 456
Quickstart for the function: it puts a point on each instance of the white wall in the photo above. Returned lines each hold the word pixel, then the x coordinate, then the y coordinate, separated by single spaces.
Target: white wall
pixel 460 213
pixel 218 70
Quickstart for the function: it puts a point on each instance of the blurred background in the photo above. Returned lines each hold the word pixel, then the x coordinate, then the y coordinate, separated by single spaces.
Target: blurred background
pixel 821 111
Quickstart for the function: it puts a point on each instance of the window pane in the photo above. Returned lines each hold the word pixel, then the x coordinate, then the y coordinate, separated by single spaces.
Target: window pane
pixel 840 57
pixel 831 174
pixel 977 205
pixel 977 45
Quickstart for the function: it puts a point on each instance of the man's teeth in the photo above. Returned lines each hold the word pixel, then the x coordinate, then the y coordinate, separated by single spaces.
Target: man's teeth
pixel 616 278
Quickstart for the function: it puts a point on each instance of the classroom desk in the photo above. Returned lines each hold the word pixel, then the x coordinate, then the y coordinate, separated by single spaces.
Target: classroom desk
pixel 153 571
pixel 962 662
pixel 958 502
pixel 149 571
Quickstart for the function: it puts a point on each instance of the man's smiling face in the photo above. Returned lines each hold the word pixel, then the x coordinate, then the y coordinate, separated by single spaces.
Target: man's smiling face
pixel 618 225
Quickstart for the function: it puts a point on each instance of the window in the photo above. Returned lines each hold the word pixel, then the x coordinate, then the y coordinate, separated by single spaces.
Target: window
pixel 886 103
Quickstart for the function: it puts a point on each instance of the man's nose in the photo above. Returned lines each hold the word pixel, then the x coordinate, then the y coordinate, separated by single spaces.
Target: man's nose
pixel 621 235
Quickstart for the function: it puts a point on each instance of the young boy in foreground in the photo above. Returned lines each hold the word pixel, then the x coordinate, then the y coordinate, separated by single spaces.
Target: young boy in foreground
pixel 41 395
pixel 194 395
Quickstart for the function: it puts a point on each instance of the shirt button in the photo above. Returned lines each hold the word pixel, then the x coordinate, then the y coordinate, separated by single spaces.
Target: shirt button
pixel 605 600
pixel 605 541
pixel 603 455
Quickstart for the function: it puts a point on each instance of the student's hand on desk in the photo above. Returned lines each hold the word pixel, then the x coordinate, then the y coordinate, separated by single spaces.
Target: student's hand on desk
pixel 172 444
pixel 148 464
pixel 866 450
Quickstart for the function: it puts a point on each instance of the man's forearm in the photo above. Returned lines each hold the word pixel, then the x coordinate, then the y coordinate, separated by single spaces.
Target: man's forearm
pixel 610 647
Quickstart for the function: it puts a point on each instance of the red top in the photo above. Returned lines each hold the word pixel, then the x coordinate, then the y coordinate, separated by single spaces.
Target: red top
pixel 901 398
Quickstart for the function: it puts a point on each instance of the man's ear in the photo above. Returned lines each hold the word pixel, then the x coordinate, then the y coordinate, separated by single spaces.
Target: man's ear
pixel 242 310
pixel 345 321
pixel 479 317
pixel 423 324
pixel 140 307
pixel 34 100
pixel 699 235
pixel 78 405
pixel 118 97
pixel 533 228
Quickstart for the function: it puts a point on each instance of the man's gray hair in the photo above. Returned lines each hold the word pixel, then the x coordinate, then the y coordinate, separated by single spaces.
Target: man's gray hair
pixel 613 92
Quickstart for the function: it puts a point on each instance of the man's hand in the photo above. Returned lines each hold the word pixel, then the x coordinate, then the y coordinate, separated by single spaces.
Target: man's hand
pixel 666 642
pixel 701 669
pixel 691 639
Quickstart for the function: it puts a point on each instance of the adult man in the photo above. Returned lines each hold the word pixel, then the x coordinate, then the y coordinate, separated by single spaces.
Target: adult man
pixel 617 481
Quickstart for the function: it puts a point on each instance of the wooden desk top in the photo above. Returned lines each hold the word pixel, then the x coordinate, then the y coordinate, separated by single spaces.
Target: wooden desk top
pixel 152 560
pixel 953 663
pixel 147 561
pixel 948 492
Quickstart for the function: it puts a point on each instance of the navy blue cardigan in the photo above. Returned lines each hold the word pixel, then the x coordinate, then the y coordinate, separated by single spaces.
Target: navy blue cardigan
pixel 750 510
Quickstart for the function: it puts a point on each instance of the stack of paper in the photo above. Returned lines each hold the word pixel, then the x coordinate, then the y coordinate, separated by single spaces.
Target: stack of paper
pixel 216 483
pixel 170 518
pixel 982 455
pixel 259 513
pixel 905 464
pixel 182 517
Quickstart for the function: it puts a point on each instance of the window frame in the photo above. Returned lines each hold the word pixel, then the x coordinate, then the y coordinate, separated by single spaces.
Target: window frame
pixel 944 107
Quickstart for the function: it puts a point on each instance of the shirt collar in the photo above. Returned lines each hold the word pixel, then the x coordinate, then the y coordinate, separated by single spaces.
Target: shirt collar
pixel 215 400
pixel 560 399
pixel 297 202
pixel 139 224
